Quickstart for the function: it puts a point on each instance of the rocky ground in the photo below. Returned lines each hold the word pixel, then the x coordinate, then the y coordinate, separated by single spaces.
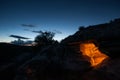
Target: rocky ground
pixel 61 61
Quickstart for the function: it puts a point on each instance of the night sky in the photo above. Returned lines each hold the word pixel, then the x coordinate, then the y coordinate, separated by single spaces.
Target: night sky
pixel 53 15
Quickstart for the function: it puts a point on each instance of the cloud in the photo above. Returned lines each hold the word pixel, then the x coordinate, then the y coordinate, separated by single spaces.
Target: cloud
pixel 28 25
pixel 27 30
pixel 19 37
pixel 37 31
pixel 34 31
pixel 56 31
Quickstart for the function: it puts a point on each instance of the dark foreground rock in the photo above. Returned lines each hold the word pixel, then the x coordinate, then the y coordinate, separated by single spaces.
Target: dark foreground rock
pixel 55 63
pixel 60 62
pixel 110 71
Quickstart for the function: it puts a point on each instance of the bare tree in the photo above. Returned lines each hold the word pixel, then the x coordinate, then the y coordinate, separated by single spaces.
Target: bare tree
pixel 45 38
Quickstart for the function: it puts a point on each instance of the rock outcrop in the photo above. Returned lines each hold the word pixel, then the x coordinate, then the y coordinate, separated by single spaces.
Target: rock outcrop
pixel 106 35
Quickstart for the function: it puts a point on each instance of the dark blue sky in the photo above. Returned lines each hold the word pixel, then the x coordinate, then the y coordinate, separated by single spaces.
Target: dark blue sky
pixel 61 15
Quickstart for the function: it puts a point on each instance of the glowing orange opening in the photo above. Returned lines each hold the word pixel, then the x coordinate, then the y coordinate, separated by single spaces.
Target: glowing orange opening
pixel 95 56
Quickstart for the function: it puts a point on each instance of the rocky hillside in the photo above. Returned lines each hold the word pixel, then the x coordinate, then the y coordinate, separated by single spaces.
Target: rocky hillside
pixel 106 31
pixel 106 35
pixel 63 61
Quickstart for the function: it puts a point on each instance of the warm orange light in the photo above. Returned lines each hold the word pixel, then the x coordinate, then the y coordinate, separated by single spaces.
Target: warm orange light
pixel 95 57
